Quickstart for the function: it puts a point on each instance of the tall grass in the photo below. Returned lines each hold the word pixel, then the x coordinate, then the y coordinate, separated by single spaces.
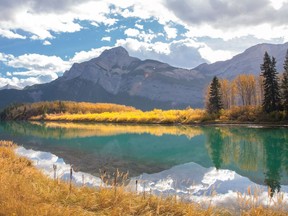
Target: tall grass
pixel 104 112
pixel 26 191
pixel 136 116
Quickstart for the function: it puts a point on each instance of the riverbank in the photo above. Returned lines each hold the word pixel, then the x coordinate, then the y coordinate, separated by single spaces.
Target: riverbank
pixel 26 191
pixel 65 111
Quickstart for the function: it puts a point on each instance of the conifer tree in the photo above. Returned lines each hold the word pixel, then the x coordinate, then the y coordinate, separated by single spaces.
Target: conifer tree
pixel 214 102
pixel 272 100
pixel 284 85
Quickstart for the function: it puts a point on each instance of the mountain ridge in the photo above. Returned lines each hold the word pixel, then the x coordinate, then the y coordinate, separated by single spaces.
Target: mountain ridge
pixel 247 62
pixel 116 77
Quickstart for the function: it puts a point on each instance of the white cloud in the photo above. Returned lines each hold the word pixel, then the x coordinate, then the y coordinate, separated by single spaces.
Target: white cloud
pixel 170 32
pixel 61 17
pixel 11 35
pixel 106 39
pixel 87 55
pixel 4 57
pixel 46 43
pixel 147 37
pixel 43 19
pixel 130 32
pixel 20 83
pixel 135 45
pixel 214 55
pixel 139 26
pixel 277 4
pixel 144 10
pixel 34 69
pixel 39 63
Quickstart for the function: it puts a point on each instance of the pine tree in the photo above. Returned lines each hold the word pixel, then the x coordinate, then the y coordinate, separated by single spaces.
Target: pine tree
pixel 214 102
pixel 284 85
pixel 272 100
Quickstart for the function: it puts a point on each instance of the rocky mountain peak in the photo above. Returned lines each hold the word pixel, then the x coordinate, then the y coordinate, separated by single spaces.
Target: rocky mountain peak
pixel 115 52
pixel 114 59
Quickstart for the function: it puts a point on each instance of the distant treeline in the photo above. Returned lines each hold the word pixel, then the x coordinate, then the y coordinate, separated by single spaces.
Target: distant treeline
pixel 26 111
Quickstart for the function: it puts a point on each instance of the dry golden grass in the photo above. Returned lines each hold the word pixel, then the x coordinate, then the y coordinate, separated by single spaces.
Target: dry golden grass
pixel 105 112
pixel 26 191
pixel 135 116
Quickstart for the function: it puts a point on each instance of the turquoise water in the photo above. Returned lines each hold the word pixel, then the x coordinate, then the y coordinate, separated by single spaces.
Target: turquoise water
pixel 258 155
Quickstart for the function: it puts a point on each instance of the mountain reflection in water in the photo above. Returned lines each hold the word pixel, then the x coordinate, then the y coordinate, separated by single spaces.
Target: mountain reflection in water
pixel 260 154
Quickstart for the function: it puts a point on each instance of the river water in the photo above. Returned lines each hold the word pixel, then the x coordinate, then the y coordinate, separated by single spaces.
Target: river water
pixel 190 162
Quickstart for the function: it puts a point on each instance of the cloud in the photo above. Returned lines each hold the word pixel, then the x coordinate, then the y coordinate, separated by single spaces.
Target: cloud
pixel 32 69
pixel 213 18
pixel 37 64
pixel 43 18
pixel 231 19
pixel 277 4
pixel 214 55
pixel 170 32
pixel 46 43
pixel 181 53
pixel 139 26
pixel 222 13
pixel 87 55
pixel 106 39
pixel 11 35
pixel 23 82
pixel 130 32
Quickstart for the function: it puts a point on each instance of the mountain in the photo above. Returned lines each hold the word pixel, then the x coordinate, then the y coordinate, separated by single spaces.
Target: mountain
pixel 116 77
pixel 8 86
pixel 247 62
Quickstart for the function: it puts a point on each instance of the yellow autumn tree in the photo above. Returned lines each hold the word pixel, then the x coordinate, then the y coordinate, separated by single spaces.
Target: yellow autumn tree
pixel 225 93
pixel 246 89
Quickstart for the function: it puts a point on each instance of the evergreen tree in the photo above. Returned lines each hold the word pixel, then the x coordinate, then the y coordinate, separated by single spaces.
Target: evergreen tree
pixel 272 100
pixel 214 102
pixel 284 85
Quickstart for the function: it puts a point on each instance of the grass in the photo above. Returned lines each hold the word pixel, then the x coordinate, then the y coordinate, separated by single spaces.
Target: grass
pixel 135 116
pixel 26 191
pixel 114 113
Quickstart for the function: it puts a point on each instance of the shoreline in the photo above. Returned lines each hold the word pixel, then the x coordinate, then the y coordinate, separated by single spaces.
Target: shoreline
pixel 208 123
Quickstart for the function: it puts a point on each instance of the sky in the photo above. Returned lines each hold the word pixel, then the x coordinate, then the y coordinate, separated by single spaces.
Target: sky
pixel 41 39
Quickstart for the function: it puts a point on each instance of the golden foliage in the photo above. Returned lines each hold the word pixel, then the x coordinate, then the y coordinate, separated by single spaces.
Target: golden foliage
pixel 114 113
pixel 241 114
pixel 156 116
pixel 25 111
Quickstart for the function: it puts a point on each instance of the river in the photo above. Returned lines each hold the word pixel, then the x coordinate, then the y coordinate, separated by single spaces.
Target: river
pixel 187 161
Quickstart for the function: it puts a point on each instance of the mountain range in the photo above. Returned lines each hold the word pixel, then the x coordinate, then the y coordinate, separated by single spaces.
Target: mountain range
pixel 116 77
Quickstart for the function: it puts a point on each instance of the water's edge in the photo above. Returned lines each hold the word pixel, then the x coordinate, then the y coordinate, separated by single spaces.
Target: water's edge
pixel 168 183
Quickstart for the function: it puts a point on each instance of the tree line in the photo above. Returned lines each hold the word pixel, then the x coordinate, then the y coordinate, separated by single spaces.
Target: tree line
pixel 268 90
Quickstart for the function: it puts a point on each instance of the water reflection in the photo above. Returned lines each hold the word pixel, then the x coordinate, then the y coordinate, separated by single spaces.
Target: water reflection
pixel 260 154
pixel 64 130
pixel 251 150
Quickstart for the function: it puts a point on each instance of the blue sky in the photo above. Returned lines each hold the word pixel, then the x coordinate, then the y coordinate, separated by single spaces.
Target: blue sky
pixel 40 39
